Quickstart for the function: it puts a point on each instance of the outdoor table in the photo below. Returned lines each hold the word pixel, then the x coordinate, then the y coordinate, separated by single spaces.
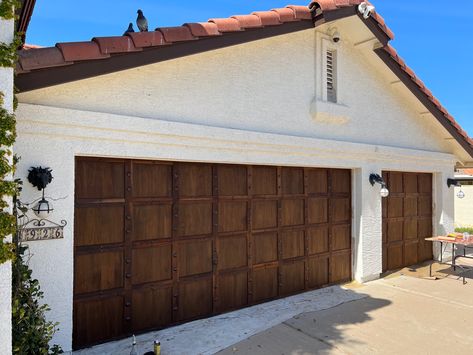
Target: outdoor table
pixel 466 244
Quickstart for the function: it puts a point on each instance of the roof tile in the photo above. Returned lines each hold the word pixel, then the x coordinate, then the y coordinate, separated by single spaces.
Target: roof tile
pixel 117 44
pixel 248 21
pixel 41 58
pixel 268 18
pixel 73 51
pixel 226 24
pixel 301 12
pixel 203 29
pixel 147 39
pixel 285 14
pixel 176 34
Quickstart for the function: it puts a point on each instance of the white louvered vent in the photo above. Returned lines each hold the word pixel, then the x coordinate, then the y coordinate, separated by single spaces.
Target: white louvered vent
pixel 331 74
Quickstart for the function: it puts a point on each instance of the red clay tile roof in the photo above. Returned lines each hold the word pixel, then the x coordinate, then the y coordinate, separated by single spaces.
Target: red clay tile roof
pixel 66 54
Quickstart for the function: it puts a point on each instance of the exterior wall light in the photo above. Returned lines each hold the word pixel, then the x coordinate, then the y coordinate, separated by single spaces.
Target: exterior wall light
pixel 456 183
pixel 40 177
pixel 377 179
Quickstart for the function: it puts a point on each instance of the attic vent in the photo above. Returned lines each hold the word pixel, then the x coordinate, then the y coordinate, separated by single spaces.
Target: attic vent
pixel 331 74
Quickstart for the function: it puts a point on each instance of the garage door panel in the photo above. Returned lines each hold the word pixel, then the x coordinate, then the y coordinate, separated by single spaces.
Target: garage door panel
pixel 153 308
pixel 340 210
pixel 395 182
pixel 232 216
pixel 410 229
pixel 411 253
pixel 425 251
pixel 99 271
pixel 425 228
pixel 340 267
pixel 232 180
pixel 152 221
pixel 410 206
pixel 194 218
pixel 341 237
pixel 292 243
pixel 151 264
pixel 232 291
pixel 292 181
pixel 292 277
pixel 265 180
pixel 195 257
pixel 317 181
pixel 265 247
pixel 318 240
pixel 98 320
pixel 395 207
pixel 195 298
pixel 341 181
pixel 395 256
pixel 318 210
pixel 395 230
pixel 232 252
pixel 425 183
pixel 265 214
pixel 318 271
pixel 195 180
pixel 98 225
pixel 292 212
pixel 152 180
pixel 408 219
pixel 265 284
pixel 410 183
pixel 425 206
pixel 96 179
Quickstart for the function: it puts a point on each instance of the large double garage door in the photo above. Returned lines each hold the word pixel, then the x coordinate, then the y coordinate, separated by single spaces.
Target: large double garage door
pixel 158 243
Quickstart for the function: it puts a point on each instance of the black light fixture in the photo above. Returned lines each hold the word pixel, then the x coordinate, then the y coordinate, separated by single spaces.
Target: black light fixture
pixel 377 179
pixel 40 177
pixel 456 183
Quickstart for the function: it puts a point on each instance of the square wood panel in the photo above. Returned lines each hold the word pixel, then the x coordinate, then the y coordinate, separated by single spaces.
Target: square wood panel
pixel 152 180
pixel 152 221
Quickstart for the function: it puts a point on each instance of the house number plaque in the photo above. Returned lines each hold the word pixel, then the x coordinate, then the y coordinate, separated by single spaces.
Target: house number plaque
pixel 41 230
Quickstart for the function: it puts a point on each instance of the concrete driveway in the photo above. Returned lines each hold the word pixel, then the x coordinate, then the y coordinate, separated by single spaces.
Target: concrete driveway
pixel 403 313
pixel 400 315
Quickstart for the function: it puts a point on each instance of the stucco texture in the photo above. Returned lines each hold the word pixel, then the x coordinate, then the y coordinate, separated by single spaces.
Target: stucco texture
pixel 248 104
pixel 464 207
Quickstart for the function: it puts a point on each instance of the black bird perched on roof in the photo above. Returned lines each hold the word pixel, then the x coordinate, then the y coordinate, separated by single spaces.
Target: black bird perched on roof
pixel 142 22
pixel 129 29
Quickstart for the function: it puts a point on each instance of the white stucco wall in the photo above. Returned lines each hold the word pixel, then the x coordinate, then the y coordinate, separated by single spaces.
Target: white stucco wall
pixel 250 104
pixel 6 87
pixel 464 207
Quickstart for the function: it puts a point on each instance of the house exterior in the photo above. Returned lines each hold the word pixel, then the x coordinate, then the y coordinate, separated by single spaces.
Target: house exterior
pixel 208 167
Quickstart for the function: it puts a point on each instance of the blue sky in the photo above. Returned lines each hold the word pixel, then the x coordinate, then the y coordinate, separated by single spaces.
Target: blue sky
pixel 434 38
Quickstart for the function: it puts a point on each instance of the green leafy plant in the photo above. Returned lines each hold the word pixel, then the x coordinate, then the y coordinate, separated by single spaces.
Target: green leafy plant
pixel 7 9
pixel 8 188
pixel 464 230
pixel 31 331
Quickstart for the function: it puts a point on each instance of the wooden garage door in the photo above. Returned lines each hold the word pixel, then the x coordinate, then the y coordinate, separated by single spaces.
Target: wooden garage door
pixel 158 243
pixel 407 220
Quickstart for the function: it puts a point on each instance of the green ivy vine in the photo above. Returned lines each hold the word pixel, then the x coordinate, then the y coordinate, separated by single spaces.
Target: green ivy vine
pixel 8 188
pixel 7 9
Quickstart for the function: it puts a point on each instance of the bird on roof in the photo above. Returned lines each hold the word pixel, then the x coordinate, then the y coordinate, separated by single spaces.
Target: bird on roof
pixel 142 22
pixel 129 29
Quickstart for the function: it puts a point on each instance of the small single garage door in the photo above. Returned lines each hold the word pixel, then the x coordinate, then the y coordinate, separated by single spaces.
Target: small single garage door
pixel 407 219
pixel 158 243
